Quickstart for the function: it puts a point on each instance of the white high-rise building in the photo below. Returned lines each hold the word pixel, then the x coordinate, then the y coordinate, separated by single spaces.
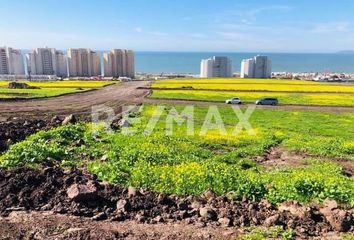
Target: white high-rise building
pixel 257 67
pixel 119 63
pixel 96 63
pixel 216 67
pixel 247 68
pixel 11 62
pixel 46 61
pixel 108 64
pixel 61 64
pixel 206 68
pixel 4 62
pixel 84 63
pixel 130 63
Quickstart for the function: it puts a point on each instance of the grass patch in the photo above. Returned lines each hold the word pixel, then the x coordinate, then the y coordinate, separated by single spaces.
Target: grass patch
pixel 38 93
pixel 259 233
pixel 182 164
pixel 64 84
pixel 49 89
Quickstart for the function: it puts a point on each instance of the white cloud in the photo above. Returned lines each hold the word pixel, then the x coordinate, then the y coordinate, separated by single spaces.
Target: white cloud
pixel 235 36
pixel 333 27
pixel 158 33
pixel 196 35
pixel 248 15
pixel 186 18
pixel 155 33
pixel 29 40
pixel 138 29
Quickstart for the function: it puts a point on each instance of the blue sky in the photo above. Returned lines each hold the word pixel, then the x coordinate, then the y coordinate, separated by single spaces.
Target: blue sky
pixel 180 25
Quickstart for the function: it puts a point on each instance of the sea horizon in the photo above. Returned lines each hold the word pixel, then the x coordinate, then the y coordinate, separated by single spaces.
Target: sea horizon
pixel 188 62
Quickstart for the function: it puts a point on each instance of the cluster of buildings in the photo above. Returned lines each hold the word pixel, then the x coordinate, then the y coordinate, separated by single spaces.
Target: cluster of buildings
pixel 76 63
pixel 46 61
pixel 11 62
pixel 83 62
pixel 119 63
pixel 256 67
pixel 216 67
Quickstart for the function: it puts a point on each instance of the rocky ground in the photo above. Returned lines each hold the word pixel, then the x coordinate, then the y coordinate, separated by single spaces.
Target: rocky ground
pixel 17 129
pixel 66 198
pixel 46 225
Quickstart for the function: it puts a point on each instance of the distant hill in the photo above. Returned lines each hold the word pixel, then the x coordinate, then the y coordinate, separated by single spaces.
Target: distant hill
pixel 346 52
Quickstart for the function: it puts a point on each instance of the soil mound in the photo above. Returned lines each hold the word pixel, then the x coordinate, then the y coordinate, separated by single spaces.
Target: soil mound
pixel 16 131
pixel 19 85
pixel 75 192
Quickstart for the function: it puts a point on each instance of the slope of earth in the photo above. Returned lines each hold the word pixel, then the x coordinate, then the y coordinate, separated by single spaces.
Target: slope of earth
pixel 132 213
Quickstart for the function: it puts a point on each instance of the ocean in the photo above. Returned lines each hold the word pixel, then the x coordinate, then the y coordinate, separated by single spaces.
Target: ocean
pixel 189 62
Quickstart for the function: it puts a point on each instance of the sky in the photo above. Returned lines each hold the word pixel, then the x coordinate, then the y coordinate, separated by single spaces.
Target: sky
pixel 180 25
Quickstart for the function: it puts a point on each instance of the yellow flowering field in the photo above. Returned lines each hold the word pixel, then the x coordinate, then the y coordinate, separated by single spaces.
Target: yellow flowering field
pixel 250 97
pixel 64 84
pixel 184 164
pixel 256 85
pixel 236 80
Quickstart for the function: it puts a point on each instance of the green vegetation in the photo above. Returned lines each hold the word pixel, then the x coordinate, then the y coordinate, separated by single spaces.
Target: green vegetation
pixel 49 89
pixel 259 233
pixel 347 236
pixel 37 93
pixel 184 164
pixel 240 80
pixel 63 84
pixel 251 97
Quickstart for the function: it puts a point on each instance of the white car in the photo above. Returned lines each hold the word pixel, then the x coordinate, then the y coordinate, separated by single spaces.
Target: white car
pixel 234 101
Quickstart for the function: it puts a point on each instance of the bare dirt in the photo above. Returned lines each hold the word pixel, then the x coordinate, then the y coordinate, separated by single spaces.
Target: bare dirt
pixel 72 204
pixel 114 96
pixel 47 225
pixel 15 131
pixel 280 157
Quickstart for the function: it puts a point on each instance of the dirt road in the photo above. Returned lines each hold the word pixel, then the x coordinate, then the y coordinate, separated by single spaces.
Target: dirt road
pixel 81 103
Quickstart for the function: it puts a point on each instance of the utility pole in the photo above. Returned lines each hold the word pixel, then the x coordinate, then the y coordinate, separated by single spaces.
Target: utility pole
pixel 29 75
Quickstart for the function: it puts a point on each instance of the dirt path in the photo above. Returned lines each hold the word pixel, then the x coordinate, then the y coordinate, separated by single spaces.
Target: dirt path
pixel 46 225
pixel 115 96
